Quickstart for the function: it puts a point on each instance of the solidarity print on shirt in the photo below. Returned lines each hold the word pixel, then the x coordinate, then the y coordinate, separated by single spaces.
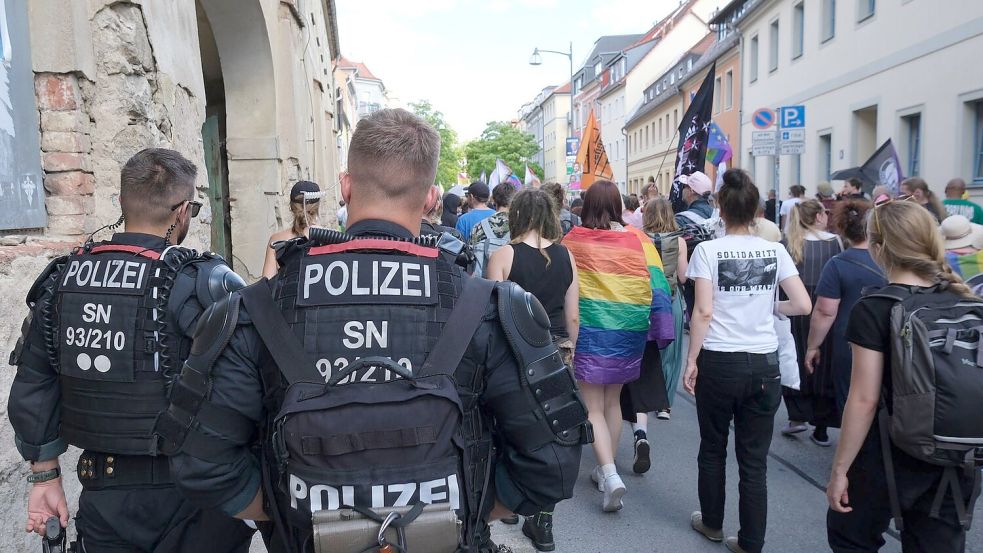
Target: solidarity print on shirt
pixel 747 272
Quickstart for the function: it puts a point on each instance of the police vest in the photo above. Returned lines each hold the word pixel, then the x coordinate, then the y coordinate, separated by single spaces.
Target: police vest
pixel 114 339
pixel 349 304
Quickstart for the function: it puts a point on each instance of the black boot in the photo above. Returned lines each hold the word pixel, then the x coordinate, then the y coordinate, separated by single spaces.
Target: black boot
pixel 514 519
pixel 539 529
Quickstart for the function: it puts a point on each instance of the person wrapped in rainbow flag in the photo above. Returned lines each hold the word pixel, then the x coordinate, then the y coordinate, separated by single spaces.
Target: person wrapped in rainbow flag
pixel 624 302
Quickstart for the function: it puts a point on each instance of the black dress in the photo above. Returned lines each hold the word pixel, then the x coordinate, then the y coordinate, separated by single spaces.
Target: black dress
pixel 548 283
pixel 814 401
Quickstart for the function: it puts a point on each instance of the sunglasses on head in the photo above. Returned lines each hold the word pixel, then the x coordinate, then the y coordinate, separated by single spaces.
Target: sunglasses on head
pixel 884 200
pixel 195 207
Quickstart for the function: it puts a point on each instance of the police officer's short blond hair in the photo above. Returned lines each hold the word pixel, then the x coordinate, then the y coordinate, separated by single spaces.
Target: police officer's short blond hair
pixel 393 155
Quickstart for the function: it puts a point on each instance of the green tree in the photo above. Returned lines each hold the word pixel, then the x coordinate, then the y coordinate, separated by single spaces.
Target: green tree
pixel 450 153
pixel 500 140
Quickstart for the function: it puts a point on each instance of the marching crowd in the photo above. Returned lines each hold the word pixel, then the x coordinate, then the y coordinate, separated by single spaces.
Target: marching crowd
pixel 198 401
pixel 770 315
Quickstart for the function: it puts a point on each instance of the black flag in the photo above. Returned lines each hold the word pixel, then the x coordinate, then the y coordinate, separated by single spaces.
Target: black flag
pixel 694 132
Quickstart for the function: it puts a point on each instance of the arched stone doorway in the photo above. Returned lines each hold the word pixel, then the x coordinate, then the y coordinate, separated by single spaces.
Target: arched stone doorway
pixel 241 121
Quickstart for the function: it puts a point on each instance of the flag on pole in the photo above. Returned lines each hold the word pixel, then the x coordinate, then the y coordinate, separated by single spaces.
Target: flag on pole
pixel 462 178
pixel 694 131
pixel 718 149
pixel 591 156
pixel 721 169
pixel 531 178
pixel 484 178
pixel 885 168
pixel 499 175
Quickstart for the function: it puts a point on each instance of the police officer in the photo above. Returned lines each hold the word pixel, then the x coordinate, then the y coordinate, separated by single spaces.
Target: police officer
pixel 109 326
pixel 383 300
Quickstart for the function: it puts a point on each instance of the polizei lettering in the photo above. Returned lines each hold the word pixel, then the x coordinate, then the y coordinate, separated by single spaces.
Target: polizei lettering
pixel 107 274
pixel 363 278
pixel 320 497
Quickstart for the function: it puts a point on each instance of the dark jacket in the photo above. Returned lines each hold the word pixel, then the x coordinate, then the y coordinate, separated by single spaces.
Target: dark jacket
pixel 523 481
pixel 34 405
pixel 700 206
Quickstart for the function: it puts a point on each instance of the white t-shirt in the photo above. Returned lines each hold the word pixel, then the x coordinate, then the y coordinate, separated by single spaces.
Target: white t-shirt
pixel 786 208
pixel 744 271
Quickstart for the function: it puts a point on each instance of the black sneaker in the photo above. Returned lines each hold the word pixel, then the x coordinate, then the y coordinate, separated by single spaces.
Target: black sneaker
pixel 643 462
pixel 539 530
pixel 514 519
pixel 820 437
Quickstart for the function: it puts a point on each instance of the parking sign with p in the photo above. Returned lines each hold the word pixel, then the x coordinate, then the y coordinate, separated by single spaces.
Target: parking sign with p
pixel 792 117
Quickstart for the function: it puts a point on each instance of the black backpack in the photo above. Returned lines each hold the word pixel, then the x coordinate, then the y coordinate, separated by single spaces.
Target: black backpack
pixel 937 388
pixel 366 444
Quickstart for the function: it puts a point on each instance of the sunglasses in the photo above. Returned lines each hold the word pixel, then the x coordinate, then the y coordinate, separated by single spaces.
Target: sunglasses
pixel 195 207
pixel 883 200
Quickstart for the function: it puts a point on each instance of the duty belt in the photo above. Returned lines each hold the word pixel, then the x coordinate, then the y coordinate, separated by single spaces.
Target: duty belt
pixel 98 471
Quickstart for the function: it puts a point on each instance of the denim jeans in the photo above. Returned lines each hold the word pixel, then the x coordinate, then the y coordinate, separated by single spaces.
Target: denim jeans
pixel 747 388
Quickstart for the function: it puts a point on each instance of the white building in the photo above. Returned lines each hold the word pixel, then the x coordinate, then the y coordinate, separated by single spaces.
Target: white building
pixel 532 120
pixel 866 71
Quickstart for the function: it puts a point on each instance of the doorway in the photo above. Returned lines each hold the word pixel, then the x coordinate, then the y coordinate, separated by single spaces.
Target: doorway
pixel 213 135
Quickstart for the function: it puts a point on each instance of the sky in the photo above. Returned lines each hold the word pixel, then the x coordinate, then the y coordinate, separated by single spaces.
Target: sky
pixel 470 58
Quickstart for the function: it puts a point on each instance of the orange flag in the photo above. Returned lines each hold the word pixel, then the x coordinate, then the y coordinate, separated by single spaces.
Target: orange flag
pixel 591 156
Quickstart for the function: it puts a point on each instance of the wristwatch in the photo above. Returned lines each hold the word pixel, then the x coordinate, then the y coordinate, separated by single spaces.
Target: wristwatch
pixel 44 476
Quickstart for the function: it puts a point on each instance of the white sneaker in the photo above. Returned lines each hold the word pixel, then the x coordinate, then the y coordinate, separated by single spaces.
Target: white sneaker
pixel 663 415
pixel 614 489
pixel 598 478
pixel 794 427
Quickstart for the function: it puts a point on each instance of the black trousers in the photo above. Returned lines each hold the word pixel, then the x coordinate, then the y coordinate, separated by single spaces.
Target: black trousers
pixel 154 520
pixel 747 388
pixel 862 529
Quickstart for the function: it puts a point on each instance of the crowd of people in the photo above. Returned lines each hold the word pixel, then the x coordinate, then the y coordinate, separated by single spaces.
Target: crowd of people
pixel 813 269
pixel 593 308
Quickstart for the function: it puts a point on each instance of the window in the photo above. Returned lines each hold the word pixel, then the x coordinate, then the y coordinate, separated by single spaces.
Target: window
pixel 829 20
pixel 716 95
pixel 729 90
pixel 597 68
pixel 773 46
pixel 913 132
pixel 672 78
pixel 753 62
pixel 660 130
pixel 798 29
pixel 978 145
pixel 865 9
pixel 825 156
pixel 675 118
pixel 646 136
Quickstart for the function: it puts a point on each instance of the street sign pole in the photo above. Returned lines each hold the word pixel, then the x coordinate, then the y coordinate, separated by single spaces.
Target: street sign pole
pixel 778 218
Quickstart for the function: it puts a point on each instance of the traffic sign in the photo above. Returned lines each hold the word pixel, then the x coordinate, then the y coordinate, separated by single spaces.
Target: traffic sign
pixel 792 148
pixel 760 137
pixel 792 117
pixel 793 135
pixel 764 143
pixel 763 118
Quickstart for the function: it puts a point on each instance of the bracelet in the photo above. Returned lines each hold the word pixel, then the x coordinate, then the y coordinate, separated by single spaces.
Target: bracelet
pixel 44 476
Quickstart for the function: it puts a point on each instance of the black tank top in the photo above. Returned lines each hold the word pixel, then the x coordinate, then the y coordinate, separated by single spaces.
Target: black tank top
pixel 549 285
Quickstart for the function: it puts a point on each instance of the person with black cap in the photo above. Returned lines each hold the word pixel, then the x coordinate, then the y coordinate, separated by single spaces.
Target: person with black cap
pixel 305 205
pixel 477 197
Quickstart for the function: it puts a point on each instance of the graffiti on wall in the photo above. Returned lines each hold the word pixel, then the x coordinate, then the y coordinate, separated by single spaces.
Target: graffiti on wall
pixel 21 195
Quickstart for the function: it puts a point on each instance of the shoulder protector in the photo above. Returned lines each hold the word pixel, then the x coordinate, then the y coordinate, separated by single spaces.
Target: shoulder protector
pixel 180 426
pixel 41 283
pixel 547 384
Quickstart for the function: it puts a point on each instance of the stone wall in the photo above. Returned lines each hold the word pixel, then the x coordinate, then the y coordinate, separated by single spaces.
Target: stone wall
pixel 92 119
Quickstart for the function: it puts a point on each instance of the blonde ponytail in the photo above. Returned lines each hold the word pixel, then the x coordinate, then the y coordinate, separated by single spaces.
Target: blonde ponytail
pixel 801 220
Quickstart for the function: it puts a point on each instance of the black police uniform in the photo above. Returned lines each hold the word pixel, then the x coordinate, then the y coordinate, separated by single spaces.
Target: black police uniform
pixel 527 453
pixel 109 326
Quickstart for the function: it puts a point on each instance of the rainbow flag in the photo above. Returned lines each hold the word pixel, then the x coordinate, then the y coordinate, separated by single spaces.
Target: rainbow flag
pixel 624 301
pixel 966 266
pixel 718 149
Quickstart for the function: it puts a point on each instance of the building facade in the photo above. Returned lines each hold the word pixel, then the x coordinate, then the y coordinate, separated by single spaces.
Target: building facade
pixel 556 117
pixel 243 88
pixel 867 71
pixel 532 119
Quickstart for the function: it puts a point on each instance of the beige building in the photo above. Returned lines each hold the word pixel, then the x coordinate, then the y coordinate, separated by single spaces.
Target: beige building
pixel 867 71
pixel 244 88
pixel 556 119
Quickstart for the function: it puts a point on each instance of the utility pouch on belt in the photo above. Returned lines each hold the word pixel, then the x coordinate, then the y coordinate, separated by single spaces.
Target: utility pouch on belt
pixel 434 529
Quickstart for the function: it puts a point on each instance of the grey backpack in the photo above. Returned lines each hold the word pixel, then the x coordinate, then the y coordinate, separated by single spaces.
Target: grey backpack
pixel 936 387
pixel 488 245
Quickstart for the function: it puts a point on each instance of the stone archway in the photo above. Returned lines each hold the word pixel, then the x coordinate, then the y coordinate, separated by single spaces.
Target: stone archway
pixel 242 38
